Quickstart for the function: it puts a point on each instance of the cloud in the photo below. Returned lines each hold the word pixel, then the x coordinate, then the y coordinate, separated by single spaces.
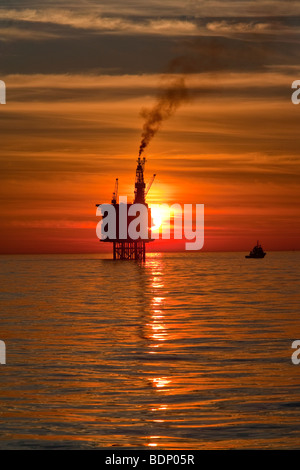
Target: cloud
pixel 13 34
pixel 250 27
pixel 239 27
pixel 244 8
pixel 118 89
pixel 98 23
pixel 201 8
pixel 100 114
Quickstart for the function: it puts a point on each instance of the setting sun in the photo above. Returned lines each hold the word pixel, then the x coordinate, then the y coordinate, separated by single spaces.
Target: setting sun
pixel 164 215
pixel 157 217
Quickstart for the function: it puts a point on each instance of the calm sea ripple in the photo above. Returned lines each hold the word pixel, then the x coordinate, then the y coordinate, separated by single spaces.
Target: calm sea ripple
pixel 186 351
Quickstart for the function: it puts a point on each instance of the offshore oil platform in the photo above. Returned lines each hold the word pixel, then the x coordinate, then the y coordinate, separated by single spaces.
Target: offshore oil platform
pixel 129 249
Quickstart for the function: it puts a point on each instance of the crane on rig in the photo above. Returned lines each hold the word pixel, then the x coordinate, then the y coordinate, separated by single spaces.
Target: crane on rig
pixel 149 184
pixel 115 193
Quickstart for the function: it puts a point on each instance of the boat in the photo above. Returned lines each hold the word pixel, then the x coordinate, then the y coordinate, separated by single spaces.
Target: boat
pixel 257 252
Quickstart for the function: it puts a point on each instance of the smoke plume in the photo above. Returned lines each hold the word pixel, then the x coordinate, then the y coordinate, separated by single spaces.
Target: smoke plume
pixel 171 96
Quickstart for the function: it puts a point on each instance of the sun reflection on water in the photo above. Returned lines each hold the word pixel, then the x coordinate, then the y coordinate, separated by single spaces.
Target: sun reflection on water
pixel 157 335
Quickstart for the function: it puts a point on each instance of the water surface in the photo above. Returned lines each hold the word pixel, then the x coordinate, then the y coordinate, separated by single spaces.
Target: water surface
pixel 186 351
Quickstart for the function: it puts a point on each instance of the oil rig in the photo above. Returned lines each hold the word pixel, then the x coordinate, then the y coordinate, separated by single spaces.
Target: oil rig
pixel 129 249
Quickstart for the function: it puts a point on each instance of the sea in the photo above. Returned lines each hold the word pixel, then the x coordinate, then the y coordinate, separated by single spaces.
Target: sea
pixel 183 351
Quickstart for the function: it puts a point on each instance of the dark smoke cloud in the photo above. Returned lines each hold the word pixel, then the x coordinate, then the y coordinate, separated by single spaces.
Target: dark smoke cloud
pixel 171 96
pixel 205 54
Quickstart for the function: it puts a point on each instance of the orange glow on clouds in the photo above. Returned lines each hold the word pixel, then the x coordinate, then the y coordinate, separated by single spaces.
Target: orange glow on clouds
pixel 239 157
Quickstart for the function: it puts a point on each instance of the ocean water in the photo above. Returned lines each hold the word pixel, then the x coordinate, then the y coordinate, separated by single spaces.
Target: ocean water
pixel 185 351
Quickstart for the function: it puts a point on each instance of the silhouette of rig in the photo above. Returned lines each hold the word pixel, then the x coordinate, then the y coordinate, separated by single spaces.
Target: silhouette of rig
pixel 129 249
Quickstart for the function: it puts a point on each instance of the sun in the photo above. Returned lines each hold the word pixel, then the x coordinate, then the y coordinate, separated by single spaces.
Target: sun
pixel 166 218
pixel 157 218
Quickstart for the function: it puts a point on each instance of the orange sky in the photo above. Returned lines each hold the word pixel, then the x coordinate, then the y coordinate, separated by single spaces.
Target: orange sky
pixel 66 136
